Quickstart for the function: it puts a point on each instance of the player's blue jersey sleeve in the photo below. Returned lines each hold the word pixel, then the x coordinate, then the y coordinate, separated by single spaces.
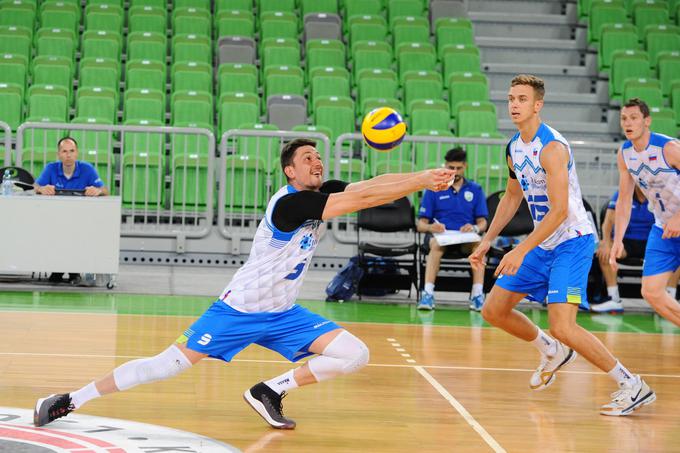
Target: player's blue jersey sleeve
pixel 612 202
pixel 92 178
pixel 427 205
pixel 45 177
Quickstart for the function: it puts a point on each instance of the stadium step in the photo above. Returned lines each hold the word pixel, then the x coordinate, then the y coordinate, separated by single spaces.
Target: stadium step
pixel 543 26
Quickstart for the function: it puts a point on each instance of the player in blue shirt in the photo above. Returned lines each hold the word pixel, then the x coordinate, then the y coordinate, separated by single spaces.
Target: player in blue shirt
pixel 461 207
pixel 69 173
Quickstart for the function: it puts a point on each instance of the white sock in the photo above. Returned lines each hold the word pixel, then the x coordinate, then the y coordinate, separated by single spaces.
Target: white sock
pixel 282 383
pixel 429 288
pixel 545 343
pixel 85 394
pixel 620 373
pixel 477 289
pixel 613 292
pixel 671 291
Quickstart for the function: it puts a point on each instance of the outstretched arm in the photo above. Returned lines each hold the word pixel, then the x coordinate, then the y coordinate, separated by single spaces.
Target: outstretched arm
pixel 387 178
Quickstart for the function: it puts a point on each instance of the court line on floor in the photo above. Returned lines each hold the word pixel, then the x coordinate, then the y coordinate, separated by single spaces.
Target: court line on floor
pixel 386 365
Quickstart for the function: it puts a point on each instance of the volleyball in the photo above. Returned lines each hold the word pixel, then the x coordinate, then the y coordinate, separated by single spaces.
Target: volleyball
pixel 383 129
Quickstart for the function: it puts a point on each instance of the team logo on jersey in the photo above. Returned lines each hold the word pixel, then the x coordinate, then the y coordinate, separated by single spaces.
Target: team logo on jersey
pixel 307 242
pixel 524 183
pixel 469 196
pixel 652 157
pixel 535 151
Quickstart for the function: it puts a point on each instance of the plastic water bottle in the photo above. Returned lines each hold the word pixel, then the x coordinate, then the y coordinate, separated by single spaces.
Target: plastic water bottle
pixel 7 184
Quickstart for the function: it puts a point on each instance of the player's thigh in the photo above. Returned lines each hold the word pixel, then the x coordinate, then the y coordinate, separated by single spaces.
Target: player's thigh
pixel 661 255
pixel 531 277
pixel 569 273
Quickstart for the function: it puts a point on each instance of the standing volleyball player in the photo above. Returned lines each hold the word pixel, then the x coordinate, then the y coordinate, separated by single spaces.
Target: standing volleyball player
pixel 652 161
pixel 554 260
pixel 258 305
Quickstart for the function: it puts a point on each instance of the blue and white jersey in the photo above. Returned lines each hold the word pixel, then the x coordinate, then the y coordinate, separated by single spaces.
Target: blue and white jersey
pixel 271 278
pixel 658 181
pixel 526 162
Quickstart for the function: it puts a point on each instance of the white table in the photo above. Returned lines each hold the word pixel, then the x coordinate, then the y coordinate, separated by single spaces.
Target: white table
pixel 59 234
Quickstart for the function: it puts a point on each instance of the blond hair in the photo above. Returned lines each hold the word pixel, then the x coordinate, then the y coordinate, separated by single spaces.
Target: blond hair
pixel 535 82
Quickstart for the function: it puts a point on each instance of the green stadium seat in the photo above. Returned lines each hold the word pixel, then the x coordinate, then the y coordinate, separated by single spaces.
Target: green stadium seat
pixel 191 48
pixel 155 3
pixel 314 128
pixel 322 53
pixel 604 12
pixel 235 23
pixel 615 36
pixel 376 83
pixel 189 176
pixel 192 21
pixel 47 103
pixel 673 7
pixel 233 5
pixel 664 121
pixel 583 8
pixel 237 77
pixel 371 55
pixel 328 81
pixel 14 71
pixel 143 104
pixel 403 8
pixel 245 188
pixel 349 169
pixel 56 42
pixel 475 117
pixel 675 99
pixel 143 180
pixel 318 6
pixel 60 15
pixel 17 13
pixel 106 17
pixel 56 71
pixel 335 113
pixel 430 154
pixel 393 166
pixel 103 2
pixel 660 38
pixel 192 76
pixel 147 46
pixel 276 5
pixel 283 80
pixel 266 148
pixel 198 4
pixel 627 64
pixel 150 143
pixel 410 29
pixel 453 30
pixel 492 177
pixel 465 87
pixel 415 56
pixel 145 74
pixel 355 8
pixel 279 52
pixel 479 155
pixel 429 113
pixel 99 103
pixel 366 28
pixel 15 41
pixel 192 109
pixel 373 103
pixel 650 12
pixel 235 109
pixel 668 70
pixel 99 72
pixel 677 13
pixel 397 160
pixel 102 44
pixel 35 159
pixel 422 85
pixel 151 19
pixel 11 105
pixel 649 90
pixel 458 58
pixel 278 24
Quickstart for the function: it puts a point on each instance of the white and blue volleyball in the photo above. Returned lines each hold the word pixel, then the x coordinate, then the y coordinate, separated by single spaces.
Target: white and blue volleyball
pixel 383 129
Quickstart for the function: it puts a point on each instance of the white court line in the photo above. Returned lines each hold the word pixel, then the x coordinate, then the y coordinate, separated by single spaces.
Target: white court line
pixel 385 365
pixel 495 446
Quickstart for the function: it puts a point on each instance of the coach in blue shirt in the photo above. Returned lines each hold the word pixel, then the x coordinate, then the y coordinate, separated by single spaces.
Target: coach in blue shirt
pixel 69 173
pixel 461 207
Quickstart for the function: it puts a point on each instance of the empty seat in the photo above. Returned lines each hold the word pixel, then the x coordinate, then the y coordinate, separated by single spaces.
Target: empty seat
pixel 371 55
pixel 145 74
pixel 668 70
pixel 402 8
pixel 430 154
pixel 237 77
pixel 318 6
pixel 55 71
pixel 60 15
pixel 155 3
pixel 191 48
pixel 458 58
pixel 328 82
pixel 15 41
pixel 415 56
pixel 143 180
pixel 660 38
pixel 376 83
pixel 18 14
pixel 347 169
pixel 56 42
pixel 14 70
pixel 97 102
pixel 410 29
pixel 604 12
pixel 374 103
pixel 446 8
pixel 322 26
pixel 263 146
pixel 264 6
pixel 147 19
pixel 324 53
pixel 627 64
pixel 616 36
pixel 192 76
pixel 192 109
pixel 366 28
pixel 245 188
pixel 192 21
pixel 355 8
pixel 335 113
pixel 101 44
pixel 278 24
pixel 474 118
pixel 286 111
pixel 467 87
pixel 283 80
pixel 144 105
pixel 99 72
pixel 189 176
pixel 664 121
pixel 279 52
pixel 236 49
pixel 106 17
pixel 429 113
pixel 235 23
pixel 147 46
pixel 11 105
pixel 453 30
pixel 231 5
pixel 47 103
pixel 650 12
pixel 235 109
pixel 649 90
pixel 421 85
pixel 204 5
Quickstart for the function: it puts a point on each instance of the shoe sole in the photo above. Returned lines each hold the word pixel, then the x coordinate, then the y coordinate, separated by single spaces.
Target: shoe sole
pixel 36 411
pixel 567 360
pixel 425 308
pixel 259 408
pixel 648 399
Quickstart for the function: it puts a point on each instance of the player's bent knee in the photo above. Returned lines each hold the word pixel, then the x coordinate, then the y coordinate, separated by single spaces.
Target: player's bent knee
pixel 345 354
pixel 142 371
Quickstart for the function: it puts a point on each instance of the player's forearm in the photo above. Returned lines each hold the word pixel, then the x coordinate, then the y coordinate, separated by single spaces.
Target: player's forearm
pixel 622 217
pixel 506 210
pixel 377 194
pixel 552 220
pixel 387 178
pixel 607 229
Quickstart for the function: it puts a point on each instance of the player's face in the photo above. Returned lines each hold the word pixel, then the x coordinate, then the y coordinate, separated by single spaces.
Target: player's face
pixel 68 153
pixel 458 168
pixel 522 103
pixel 633 123
pixel 308 167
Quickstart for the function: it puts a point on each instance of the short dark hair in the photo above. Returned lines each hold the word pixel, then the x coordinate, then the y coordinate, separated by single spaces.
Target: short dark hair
pixel 534 82
pixel 63 139
pixel 456 154
pixel 288 151
pixel 637 102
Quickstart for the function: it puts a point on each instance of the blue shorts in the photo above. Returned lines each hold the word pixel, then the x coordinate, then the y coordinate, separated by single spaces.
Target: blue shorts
pixel 560 274
pixel 661 255
pixel 222 332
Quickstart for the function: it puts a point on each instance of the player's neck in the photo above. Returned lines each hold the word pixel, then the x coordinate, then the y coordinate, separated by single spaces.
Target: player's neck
pixel 640 143
pixel 527 129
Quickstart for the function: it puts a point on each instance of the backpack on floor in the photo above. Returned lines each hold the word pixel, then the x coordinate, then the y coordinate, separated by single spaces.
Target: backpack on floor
pixel 345 283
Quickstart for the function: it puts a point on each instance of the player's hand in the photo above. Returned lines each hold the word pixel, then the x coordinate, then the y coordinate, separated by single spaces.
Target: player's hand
pixel 672 228
pixel 47 190
pixel 511 262
pixel 477 257
pixel 466 228
pixel 603 250
pixel 91 191
pixel 437 179
pixel 615 253
pixel 437 228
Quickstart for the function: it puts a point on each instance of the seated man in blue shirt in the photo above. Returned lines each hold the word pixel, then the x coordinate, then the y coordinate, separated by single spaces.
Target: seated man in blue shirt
pixel 69 173
pixel 634 242
pixel 461 207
